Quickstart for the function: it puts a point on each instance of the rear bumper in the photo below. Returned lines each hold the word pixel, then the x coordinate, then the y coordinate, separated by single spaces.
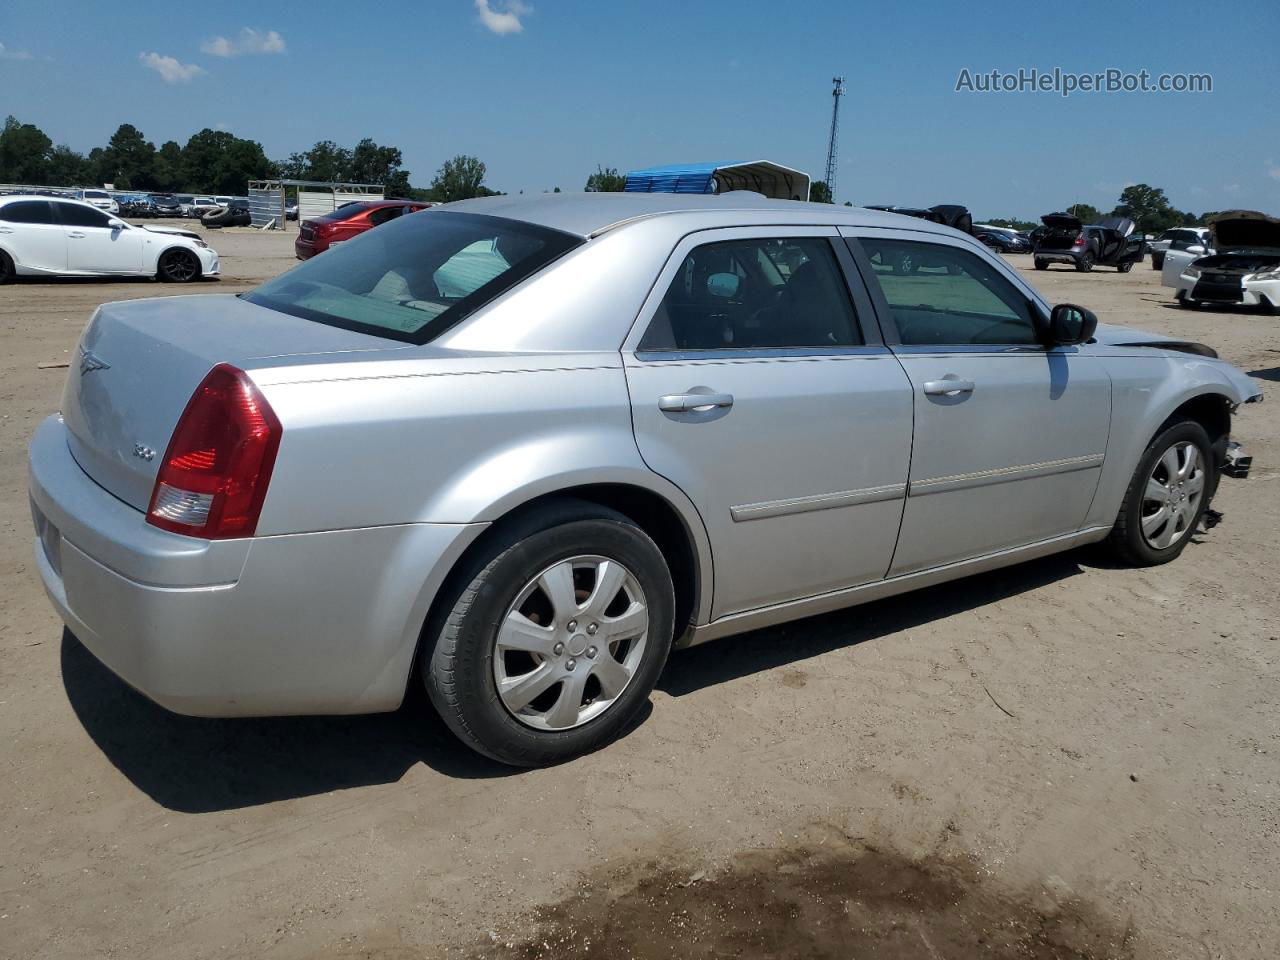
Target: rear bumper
pixel 322 622
pixel 305 249
pixel 1058 256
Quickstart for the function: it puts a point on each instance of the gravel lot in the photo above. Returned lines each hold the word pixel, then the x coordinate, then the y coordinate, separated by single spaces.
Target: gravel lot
pixel 1057 760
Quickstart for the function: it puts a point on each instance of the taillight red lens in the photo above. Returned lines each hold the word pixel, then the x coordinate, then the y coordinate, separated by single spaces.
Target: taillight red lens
pixel 214 475
pixel 1079 240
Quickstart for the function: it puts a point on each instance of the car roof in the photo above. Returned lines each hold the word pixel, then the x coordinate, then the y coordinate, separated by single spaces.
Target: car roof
pixel 589 214
pixel 11 197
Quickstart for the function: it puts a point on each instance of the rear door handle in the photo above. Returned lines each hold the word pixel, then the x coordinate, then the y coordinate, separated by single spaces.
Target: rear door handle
pixel 948 387
pixel 694 402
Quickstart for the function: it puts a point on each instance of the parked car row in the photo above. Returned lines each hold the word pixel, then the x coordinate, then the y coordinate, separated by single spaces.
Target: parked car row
pixel 511 451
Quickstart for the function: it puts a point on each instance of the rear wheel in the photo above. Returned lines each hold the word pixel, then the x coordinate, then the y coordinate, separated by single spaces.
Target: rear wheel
pixel 7 271
pixel 556 633
pixel 1085 263
pixel 1156 262
pixel 178 266
pixel 1042 264
pixel 1124 267
pixel 1167 496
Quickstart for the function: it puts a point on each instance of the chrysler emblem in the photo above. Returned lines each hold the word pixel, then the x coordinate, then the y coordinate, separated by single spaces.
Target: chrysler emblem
pixel 90 363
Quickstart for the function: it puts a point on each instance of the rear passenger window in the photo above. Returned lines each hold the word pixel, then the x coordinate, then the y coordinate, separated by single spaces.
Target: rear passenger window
pixel 943 295
pixel 26 211
pixel 755 294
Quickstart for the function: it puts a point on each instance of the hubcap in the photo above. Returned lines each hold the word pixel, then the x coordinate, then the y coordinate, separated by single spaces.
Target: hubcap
pixel 570 643
pixel 1172 497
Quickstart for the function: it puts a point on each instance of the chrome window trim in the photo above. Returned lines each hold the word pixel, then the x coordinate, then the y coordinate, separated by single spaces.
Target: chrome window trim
pixel 864 310
pixel 821 501
pixel 762 353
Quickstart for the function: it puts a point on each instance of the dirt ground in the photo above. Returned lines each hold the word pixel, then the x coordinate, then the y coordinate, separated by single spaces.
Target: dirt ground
pixel 1057 760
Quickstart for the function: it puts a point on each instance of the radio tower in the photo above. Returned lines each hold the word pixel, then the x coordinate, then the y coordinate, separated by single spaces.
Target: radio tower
pixel 837 92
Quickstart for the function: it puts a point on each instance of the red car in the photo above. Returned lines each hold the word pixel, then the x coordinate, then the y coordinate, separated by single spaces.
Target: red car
pixel 317 235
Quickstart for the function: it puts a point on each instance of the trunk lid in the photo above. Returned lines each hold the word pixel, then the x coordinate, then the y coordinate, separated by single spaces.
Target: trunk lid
pixel 140 361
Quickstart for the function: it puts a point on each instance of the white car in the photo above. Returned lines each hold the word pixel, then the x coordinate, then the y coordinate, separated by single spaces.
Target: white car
pixel 100 199
pixel 1244 270
pixel 1179 238
pixel 40 236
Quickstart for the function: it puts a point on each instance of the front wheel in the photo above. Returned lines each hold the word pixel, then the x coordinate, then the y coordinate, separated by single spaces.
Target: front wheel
pixel 1042 264
pixel 551 646
pixel 178 266
pixel 1085 263
pixel 1157 263
pixel 1124 267
pixel 1167 496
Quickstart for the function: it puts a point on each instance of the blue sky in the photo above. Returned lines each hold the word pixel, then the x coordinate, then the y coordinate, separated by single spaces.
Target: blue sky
pixel 544 90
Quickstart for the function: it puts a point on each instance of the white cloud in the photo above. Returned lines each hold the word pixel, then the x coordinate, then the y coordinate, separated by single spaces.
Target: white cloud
pixel 1231 188
pixel 170 69
pixel 505 18
pixel 1273 170
pixel 7 54
pixel 249 41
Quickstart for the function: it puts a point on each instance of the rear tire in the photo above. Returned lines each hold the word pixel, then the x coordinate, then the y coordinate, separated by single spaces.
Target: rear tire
pixel 7 269
pixel 1085 263
pixel 1125 267
pixel 485 653
pixel 1157 263
pixel 1161 507
pixel 178 266
pixel 1042 264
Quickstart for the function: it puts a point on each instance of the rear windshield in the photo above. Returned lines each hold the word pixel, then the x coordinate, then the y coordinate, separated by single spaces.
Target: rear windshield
pixel 346 211
pixel 414 277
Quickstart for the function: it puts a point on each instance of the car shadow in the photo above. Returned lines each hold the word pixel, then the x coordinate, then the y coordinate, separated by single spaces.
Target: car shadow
pixel 198 765
pixel 1268 373
pixel 723 660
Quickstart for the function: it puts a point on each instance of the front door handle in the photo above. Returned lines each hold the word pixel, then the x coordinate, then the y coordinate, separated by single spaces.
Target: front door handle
pixel 76 235
pixel 694 402
pixel 948 386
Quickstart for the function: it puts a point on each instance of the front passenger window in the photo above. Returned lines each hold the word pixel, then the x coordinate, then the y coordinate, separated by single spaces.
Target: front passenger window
pixel 943 295
pixel 74 215
pixel 755 294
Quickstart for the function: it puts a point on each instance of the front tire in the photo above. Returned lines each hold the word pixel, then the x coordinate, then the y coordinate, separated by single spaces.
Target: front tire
pixel 554 635
pixel 1085 263
pixel 1042 264
pixel 1125 267
pixel 7 269
pixel 1167 496
pixel 178 266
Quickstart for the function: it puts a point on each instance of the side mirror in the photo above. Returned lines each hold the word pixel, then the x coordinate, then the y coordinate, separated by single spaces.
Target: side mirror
pixel 1070 324
pixel 1196 249
pixel 116 224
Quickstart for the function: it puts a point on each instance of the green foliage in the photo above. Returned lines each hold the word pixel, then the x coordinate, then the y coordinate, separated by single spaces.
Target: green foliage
pixel 1085 212
pixel 24 152
pixel 460 179
pixel 606 180
pixel 819 192
pixel 128 160
pixel 367 163
pixel 1150 209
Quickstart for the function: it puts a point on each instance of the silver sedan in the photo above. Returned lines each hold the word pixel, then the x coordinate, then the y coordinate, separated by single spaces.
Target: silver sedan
pixel 517 449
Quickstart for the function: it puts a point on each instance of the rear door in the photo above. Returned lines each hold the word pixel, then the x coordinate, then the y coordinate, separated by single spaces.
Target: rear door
pixel 93 246
pixel 28 231
pixel 1009 435
pixel 760 386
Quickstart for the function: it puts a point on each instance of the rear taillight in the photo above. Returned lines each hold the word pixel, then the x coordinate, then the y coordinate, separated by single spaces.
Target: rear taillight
pixel 214 475
pixel 1079 240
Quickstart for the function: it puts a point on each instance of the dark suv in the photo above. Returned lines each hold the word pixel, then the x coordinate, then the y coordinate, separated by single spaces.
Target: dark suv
pixel 1111 242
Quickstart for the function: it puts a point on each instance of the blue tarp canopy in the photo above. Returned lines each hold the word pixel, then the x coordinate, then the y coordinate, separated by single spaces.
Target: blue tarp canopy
pixel 762 176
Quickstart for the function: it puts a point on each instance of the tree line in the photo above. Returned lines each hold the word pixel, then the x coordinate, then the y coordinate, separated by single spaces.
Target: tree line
pixel 1145 205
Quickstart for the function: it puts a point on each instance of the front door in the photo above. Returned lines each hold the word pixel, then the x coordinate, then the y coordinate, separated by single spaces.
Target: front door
pixel 93 246
pixel 1009 435
pixel 759 386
